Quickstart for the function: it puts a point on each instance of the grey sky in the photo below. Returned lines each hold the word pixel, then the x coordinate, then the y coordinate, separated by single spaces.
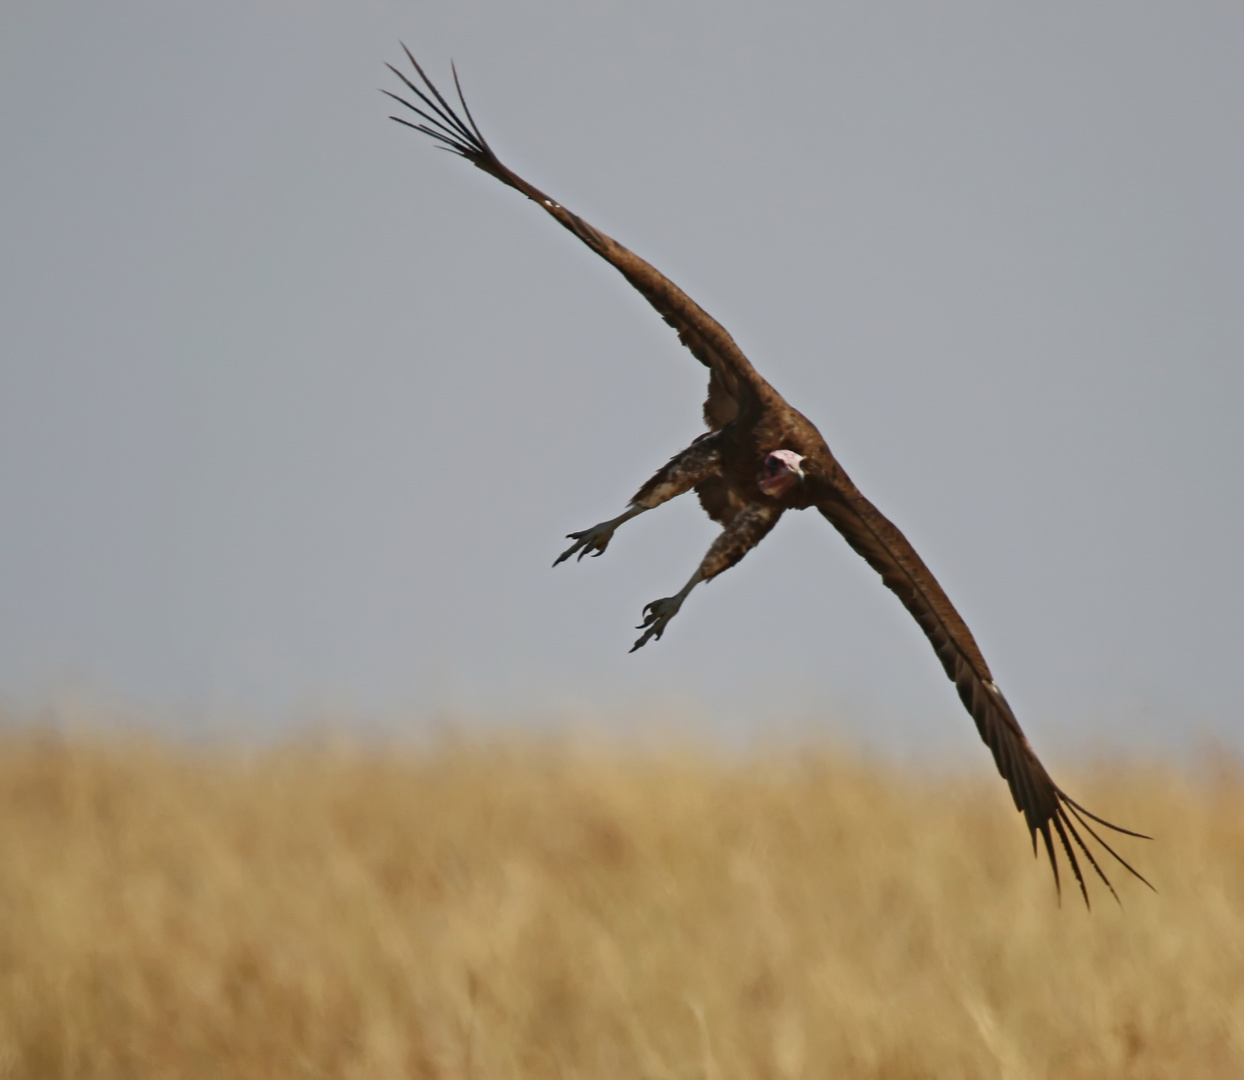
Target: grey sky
pixel 296 410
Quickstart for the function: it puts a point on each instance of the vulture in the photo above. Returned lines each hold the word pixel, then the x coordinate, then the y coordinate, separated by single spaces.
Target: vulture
pixel 759 458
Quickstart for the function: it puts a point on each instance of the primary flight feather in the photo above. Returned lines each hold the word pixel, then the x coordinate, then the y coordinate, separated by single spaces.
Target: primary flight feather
pixel 760 458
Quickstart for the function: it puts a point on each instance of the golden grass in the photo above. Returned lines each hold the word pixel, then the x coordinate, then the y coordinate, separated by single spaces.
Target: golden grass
pixel 534 910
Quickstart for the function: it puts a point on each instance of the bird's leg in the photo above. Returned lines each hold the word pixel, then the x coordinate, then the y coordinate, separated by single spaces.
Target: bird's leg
pixel 749 526
pixel 659 612
pixel 594 540
pixel 681 473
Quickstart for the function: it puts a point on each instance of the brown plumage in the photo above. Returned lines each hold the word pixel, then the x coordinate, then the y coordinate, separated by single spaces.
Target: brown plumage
pixel 761 458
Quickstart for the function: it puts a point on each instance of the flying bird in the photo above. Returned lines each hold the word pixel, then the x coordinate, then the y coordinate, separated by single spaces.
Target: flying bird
pixel 759 458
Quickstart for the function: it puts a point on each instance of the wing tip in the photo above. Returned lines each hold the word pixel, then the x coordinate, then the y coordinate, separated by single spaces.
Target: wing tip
pixel 1062 819
pixel 445 124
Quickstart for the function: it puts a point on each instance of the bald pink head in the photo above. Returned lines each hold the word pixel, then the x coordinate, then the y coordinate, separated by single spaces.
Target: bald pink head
pixel 782 471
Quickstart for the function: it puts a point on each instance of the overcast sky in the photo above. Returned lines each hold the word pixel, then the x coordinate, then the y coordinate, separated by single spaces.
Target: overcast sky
pixel 295 410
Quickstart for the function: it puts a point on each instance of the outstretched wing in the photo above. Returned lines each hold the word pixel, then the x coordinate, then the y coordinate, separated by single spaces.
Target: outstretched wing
pixel 732 378
pixel 1047 809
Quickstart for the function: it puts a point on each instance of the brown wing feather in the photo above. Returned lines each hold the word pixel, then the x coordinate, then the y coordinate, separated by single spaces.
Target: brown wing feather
pixel 720 407
pixel 719 500
pixel 1044 805
pixel 732 379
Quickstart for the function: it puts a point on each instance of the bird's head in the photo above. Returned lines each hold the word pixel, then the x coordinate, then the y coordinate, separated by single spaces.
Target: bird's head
pixel 781 472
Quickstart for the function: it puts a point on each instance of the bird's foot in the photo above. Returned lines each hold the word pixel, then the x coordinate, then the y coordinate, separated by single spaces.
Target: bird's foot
pixel 591 541
pixel 656 616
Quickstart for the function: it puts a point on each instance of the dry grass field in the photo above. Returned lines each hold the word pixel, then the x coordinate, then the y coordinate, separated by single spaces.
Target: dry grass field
pixel 514 910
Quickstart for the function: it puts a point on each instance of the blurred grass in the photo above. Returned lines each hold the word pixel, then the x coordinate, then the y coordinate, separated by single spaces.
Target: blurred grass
pixel 536 909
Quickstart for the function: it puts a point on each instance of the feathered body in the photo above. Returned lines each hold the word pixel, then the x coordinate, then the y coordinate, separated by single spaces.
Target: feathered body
pixel 760 458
